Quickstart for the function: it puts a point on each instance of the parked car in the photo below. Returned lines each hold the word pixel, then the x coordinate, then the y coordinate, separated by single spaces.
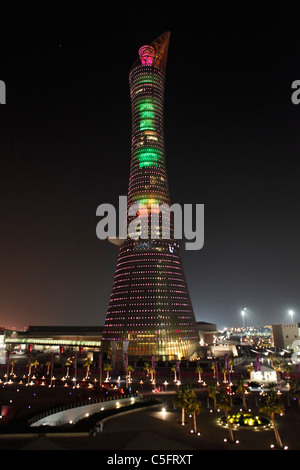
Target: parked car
pixel 254 387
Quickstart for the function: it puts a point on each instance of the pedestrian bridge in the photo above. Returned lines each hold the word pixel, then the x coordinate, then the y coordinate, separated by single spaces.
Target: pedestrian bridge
pixel 77 411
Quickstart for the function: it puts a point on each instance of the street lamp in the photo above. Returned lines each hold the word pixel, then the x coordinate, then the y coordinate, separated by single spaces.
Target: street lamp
pixel 291 312
pixel 243 313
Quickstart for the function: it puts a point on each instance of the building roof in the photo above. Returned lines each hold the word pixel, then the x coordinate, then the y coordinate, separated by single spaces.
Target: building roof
pixel 57 329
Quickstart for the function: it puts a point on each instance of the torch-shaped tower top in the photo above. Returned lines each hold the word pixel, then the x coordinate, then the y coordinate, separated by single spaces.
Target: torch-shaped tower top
pixel 156 53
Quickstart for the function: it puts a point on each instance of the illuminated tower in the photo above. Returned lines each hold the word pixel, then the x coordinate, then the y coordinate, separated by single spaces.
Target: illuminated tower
pixel 150 311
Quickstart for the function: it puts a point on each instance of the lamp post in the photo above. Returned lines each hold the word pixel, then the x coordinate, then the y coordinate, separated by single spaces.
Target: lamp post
pixel 243 313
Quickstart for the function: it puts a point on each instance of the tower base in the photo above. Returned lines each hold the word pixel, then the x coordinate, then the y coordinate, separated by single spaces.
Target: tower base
pixel 120 353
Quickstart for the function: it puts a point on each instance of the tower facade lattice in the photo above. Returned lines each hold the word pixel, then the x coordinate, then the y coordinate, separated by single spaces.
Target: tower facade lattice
pixel 150 313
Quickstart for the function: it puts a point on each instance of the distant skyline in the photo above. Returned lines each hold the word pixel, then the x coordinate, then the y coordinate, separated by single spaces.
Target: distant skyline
pixel 232 143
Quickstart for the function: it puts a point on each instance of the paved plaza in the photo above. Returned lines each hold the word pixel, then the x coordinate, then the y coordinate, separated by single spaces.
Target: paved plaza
pixel 153 429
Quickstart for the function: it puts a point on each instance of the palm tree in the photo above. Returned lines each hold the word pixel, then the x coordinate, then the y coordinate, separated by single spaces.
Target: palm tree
pixel 195 407
pixel 231 363
pixel 225 404
pixel 152 372
pixel 277 368
pixel 48 364
pixel 287 369
pixel 30 365
pixel 212 393
pixel 129 369
pixel 241 388
pixel 108 368
pixel 12 363
pixel 272 405
pixel 183 399
pixel 68 364
pixel 250 369
pixel 87 364
pixel 179 402
pixel 174 369
pixel 199 371
pixel 271 358
pixel 147 367
pixel 224 371
pixel 35 364
pixel 214 369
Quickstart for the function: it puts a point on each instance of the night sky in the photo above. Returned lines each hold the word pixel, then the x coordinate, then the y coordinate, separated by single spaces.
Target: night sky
pixel 232 140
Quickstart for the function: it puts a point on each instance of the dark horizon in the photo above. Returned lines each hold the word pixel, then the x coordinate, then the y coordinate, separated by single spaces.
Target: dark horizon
pixel 231 143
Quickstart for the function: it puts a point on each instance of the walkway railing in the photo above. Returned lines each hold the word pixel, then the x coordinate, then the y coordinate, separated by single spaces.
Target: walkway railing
pixel 81 404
